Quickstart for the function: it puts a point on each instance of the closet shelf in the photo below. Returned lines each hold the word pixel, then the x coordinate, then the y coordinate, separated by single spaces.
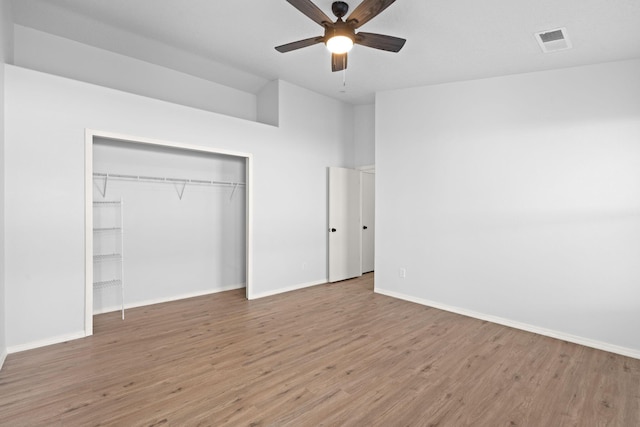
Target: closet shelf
pixel 107 284
pixel 107 229
pixel 181 183
pixel 165 179
pixel 102 257
pixel 107 202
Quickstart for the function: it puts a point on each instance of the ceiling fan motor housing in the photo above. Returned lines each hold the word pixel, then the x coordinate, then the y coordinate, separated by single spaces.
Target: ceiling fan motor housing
pixel 339 8
pixel 339 28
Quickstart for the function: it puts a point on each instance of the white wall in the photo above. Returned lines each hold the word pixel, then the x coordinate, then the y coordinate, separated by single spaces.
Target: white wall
pixel 53 18
pixel 57 55
pixel 174 247
pixel 364 135
pixel 6 49
pixel 517 198
pixel 46 117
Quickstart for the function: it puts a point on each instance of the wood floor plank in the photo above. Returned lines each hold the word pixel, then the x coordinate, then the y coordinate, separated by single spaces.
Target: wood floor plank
pixel 334 354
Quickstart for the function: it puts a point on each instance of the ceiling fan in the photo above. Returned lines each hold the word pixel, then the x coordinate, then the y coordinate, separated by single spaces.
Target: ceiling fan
pixel 340 36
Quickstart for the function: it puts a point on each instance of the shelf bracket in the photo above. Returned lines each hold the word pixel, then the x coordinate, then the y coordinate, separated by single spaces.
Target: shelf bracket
pixel 180 190
pixel 103 190
pixel 235 185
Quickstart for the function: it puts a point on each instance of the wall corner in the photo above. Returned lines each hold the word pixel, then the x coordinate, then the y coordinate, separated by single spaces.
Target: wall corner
pixel 268 104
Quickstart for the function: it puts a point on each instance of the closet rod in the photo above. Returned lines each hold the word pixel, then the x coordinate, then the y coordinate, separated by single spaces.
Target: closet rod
pixel 165 180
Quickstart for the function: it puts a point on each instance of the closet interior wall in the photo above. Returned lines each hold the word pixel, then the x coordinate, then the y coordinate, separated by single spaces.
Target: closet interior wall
pixel 180 240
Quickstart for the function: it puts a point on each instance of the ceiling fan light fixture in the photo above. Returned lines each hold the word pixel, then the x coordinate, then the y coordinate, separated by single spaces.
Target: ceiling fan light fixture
pixel 340 35
pixel 339 44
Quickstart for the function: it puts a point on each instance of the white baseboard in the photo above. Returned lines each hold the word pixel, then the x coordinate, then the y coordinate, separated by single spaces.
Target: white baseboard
pixel 168 299
pixel 76 335
pixel 3 356
pixel 287 289
pixel 48 341
pixel 624 351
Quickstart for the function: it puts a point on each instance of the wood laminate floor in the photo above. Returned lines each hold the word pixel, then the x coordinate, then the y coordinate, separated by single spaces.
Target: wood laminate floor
pixel 328 355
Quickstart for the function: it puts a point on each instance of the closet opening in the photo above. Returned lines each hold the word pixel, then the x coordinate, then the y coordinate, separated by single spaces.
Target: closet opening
pixel 163 221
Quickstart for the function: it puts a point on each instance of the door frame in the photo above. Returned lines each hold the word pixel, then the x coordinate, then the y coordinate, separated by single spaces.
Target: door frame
pixel 90 135
pixel 369 170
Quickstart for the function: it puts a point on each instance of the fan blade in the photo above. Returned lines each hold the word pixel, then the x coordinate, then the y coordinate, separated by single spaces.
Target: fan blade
pixel 367 10
pixel 380 41
pixel 338 61
pixel 299 44
pixel 311 10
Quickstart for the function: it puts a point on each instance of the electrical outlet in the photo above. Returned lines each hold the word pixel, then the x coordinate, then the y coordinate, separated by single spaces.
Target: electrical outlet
pixel 402 272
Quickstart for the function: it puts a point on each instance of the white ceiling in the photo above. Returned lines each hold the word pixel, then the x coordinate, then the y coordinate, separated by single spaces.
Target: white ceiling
pixel 232 42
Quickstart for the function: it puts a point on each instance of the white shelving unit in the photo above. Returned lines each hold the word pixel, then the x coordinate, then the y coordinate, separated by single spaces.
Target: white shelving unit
pixel 102 179
pixel 108 235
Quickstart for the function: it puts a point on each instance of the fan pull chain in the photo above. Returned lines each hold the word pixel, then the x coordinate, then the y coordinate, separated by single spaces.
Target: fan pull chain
pixel 344 74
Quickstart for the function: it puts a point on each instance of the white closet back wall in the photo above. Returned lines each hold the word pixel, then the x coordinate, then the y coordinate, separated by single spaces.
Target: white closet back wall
pixel 173 247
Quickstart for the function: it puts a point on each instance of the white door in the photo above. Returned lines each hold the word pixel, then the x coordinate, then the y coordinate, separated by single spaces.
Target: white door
pixel 344 224
pixel 367 180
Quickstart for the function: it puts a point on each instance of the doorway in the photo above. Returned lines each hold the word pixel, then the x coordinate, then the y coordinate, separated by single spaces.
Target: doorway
pixel 351 211
pixel 184 192
pixel 345 249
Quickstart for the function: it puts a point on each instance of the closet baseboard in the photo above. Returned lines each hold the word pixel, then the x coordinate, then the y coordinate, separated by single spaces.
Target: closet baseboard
pixel 3 356
pixel 168 299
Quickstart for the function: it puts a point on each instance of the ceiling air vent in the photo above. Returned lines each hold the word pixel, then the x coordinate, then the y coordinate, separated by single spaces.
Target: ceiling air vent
pixel 553 40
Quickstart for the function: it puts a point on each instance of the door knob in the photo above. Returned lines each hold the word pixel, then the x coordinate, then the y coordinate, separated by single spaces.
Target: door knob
pixel 333 230
pixel 364 227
